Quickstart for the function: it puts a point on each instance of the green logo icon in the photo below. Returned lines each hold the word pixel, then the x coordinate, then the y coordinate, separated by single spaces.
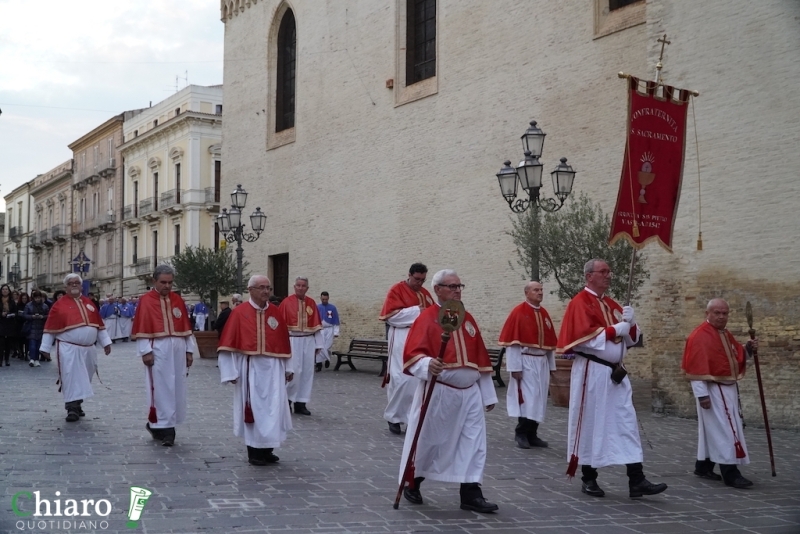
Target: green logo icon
pixel 139 497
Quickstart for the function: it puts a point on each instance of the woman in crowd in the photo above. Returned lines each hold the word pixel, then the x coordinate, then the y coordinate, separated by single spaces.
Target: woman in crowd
pixel 35 316
pixel 8 323
pixel 22 342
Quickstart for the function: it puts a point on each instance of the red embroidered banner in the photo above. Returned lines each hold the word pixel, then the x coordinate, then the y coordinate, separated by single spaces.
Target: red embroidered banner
pixel 652 170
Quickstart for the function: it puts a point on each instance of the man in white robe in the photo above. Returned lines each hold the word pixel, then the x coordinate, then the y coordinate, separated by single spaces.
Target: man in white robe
pixel 452 441
pixel 714 361
pixel 255 355
pixel 74 326
pixel 602 421
pixel 404 301
pixel 164 340
pixel 125 319
pixel 108 313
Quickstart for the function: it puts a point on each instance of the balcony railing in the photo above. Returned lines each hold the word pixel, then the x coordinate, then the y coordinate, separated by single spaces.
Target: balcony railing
pixel 59 232
pixel 44 236
pixel 212 194
pixel 44 280
pixel 143 265
pixel 108 217
pixel 81 227
pixel 173 197
pixel 147 206
pixel 34 240
pixel 15 233
pixel 131 211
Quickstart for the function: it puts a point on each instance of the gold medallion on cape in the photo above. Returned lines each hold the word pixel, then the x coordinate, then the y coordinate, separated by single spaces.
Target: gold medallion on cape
pixel 469 328
pixel 90 307
pixel 309 311
pixel 176 312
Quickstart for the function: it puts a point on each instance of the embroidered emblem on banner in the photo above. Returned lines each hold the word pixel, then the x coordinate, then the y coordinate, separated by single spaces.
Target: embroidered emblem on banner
pixel 272 322
pixel 469 328
pixel 309 311
pixel 90 307
pixel 176 312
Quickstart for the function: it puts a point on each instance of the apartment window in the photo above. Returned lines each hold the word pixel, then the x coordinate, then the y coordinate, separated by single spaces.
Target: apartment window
pixel 155 248
pixel 616 4
pixel 50 217
pixel 82 210
pixel 19 213
pixel 135 199
pixel 218 109
pixel 177 239
pixel 110 148
pixel 95 204
pixel 287 59
pixel 95 256
pixel 95 151
pixel 420 40
pixel 135 249
pixel 110 250
pixel 155 123
pixel 110 199
pixel 39 222
pixel 155 191
pixel 136 133
pixel 177 111
pixel 63 212
pixel 178 183
pixel 217 179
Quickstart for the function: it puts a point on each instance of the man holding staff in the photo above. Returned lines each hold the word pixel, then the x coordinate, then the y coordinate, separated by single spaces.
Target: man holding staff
pixel 452 442
pixel 713 361
pixel 602 420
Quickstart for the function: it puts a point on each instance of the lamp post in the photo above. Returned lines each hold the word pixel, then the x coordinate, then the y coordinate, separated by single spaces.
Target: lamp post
pixel 529 174
pixel 230 225
pixel 13 275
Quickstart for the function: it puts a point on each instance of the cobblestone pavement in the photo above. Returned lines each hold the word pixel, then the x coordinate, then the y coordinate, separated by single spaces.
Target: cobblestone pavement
pixel 338 469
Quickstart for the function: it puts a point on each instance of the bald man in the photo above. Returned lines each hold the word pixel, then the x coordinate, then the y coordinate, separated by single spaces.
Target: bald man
pixel 713 361
pixel 530 341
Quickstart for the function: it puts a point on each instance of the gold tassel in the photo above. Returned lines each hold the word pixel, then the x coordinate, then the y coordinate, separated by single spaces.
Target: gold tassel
pixel 635 230
pixel 700 241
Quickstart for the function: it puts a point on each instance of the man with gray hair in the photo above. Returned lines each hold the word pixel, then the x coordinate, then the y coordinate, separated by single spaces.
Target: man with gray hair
pixel 74 326
pixel 602 421
pixel 236 299
pixel 164 340
pixel 305 334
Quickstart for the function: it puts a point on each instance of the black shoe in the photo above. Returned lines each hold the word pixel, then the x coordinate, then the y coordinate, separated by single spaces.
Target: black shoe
pixel 72 417
pixel 412 495
pixel 168 437
pixel 269 457
pixel 739 483
pixel 522 441
pixel 591 488
pixel 318 367
pixel 300 407
pixel 536 442
pixel 257 462
pixel 327 363
pixel 81 413
pixel 645 487
pixel 479 504
pixel 708 475
pixel 8 364
pixel 394 428
pixel 154 432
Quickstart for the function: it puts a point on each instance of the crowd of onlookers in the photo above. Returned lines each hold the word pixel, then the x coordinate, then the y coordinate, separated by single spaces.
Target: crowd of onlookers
pixel 22 319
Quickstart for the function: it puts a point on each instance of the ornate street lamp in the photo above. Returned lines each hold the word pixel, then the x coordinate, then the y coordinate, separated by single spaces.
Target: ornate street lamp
pixel 14 275
pixel 528 174
pixel 230 225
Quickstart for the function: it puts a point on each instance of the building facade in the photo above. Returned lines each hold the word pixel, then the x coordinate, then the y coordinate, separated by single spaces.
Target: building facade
pixel 18 272
pixel 50 239
pixel 372 131
pixel 172 158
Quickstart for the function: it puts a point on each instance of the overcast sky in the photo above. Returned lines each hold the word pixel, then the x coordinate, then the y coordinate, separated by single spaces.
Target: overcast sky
pixel 67 66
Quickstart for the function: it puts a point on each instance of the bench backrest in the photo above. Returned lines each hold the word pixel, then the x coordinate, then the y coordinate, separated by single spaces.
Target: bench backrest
pixel 371 346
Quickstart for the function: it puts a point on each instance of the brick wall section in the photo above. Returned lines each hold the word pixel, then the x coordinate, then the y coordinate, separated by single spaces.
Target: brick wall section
pixel 368 188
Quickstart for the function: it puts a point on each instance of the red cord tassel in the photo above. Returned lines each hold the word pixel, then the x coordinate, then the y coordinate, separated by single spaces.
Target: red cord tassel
pixel 739 450
pixel 248 414
pixel 572 468
pixel 152 416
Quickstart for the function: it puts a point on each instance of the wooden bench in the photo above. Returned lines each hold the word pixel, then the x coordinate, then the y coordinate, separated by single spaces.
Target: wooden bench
pixel 368 349
pixel 496 357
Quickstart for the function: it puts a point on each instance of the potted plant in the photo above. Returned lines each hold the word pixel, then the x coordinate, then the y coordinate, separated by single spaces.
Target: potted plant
pixel 207 273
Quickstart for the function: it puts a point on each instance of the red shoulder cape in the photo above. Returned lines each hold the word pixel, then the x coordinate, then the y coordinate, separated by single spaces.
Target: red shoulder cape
pixel 256 332
pixel 587 315
pixel 68 313
pixel 465 348
pixel 529 327
pixel 402 296
pixel 158 316
pixel 711 354
pixel 300 318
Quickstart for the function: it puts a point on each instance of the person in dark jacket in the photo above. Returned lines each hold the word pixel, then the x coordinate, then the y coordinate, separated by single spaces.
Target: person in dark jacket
pixel 222 318
pixel 35 314
pixel 8 323
pixel 21 347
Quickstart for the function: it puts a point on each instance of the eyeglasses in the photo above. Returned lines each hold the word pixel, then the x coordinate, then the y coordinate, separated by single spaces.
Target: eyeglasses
pixel 261 288
pixel 453 287
pixel 420 280
pixel 604 272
